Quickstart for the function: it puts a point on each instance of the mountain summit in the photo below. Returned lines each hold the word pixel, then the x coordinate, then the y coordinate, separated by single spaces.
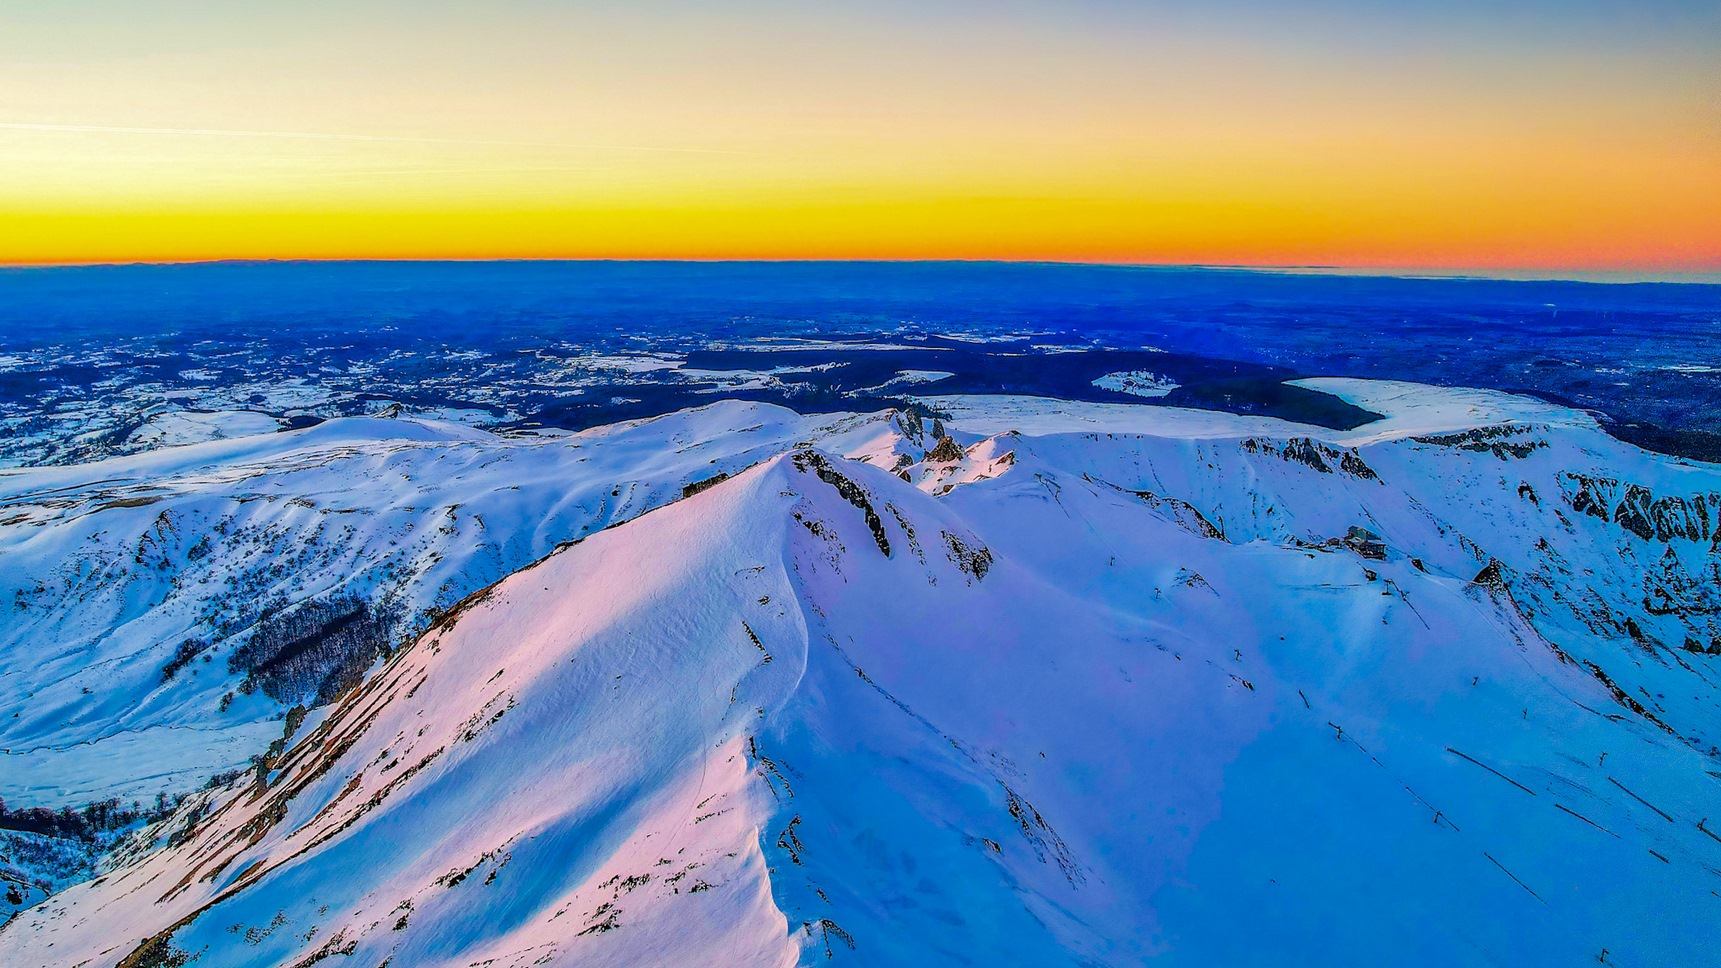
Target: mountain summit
pixel 1077 684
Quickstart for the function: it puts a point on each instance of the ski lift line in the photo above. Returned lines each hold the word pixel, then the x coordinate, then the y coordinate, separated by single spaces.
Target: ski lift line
pixel 1508 873
pixel 1497 772
pixel 1641 800
pixel 1587 820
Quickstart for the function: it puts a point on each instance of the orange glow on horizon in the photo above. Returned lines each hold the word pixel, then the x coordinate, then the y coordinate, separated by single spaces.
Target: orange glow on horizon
pixel 1011 229
pixel 1093 134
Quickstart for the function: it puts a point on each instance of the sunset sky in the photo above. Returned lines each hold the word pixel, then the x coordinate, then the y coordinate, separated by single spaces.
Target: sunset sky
pixel 1582 135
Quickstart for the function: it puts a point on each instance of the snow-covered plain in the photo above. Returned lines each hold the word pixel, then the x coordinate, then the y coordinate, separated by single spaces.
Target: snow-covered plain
pixel 1138 383
pixel 172 428
pixel 1092 684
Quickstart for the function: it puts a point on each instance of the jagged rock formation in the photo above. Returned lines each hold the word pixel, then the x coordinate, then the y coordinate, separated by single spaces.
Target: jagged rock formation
pixel 946 450
pixel 1637 508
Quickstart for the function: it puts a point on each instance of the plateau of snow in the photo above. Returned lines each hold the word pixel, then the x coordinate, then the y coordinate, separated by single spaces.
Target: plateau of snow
pixel 1094 684
pixel 1137 383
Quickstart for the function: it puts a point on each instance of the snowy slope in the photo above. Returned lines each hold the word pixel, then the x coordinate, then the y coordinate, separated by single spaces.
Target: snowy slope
pixel 171 428
pixel 1070 690
pixel 106 569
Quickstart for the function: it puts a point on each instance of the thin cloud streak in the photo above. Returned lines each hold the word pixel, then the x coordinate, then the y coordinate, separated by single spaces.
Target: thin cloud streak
pixel 325 136
pixel 397 172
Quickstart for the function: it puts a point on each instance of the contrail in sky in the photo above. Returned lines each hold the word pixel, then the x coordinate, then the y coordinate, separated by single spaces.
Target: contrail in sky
pixel 323 136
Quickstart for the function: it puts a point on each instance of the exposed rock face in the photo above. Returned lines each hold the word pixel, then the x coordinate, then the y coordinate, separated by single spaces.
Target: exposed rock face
pixel 1505 442
pixel 1186 515
pixel 1353 465
pixel 853 493
pixel 1672 588
pixel 947 450
pixel 911 424
pixel 1692 645
pixel 1304 451
pixel 1492 576
pixel 1313 454
pixel 1637 509
pixel 970 556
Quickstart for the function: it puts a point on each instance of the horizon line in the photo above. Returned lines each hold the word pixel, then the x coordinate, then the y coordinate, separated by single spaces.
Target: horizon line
pixel 1428 273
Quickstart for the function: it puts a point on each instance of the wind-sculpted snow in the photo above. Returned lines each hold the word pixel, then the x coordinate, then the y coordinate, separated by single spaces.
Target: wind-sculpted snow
pixel 1039 688
pixel 153 602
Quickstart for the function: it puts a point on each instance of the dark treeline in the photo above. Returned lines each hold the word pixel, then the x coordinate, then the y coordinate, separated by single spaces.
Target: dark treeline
pixel 88 823
pixel 314 651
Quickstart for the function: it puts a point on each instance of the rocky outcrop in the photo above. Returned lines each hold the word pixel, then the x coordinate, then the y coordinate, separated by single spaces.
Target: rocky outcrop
pixel 946 451
pixel 1492 576
pixel 1672 588
pixel 805 460
pixel 1314 455
pixel 1353 465
pixel 1639 510
pixel 1185 515
pixel 971 557
pixel 1505 442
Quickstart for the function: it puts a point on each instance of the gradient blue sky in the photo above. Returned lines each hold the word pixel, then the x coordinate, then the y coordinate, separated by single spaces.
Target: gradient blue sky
pixel 1528 134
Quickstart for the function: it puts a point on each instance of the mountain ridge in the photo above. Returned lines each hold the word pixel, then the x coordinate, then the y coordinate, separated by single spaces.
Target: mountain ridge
pixel 1072 697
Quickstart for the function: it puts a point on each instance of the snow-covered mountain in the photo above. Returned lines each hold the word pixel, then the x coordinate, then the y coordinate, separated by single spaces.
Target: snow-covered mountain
pixel 139 591
pixel 1081 684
